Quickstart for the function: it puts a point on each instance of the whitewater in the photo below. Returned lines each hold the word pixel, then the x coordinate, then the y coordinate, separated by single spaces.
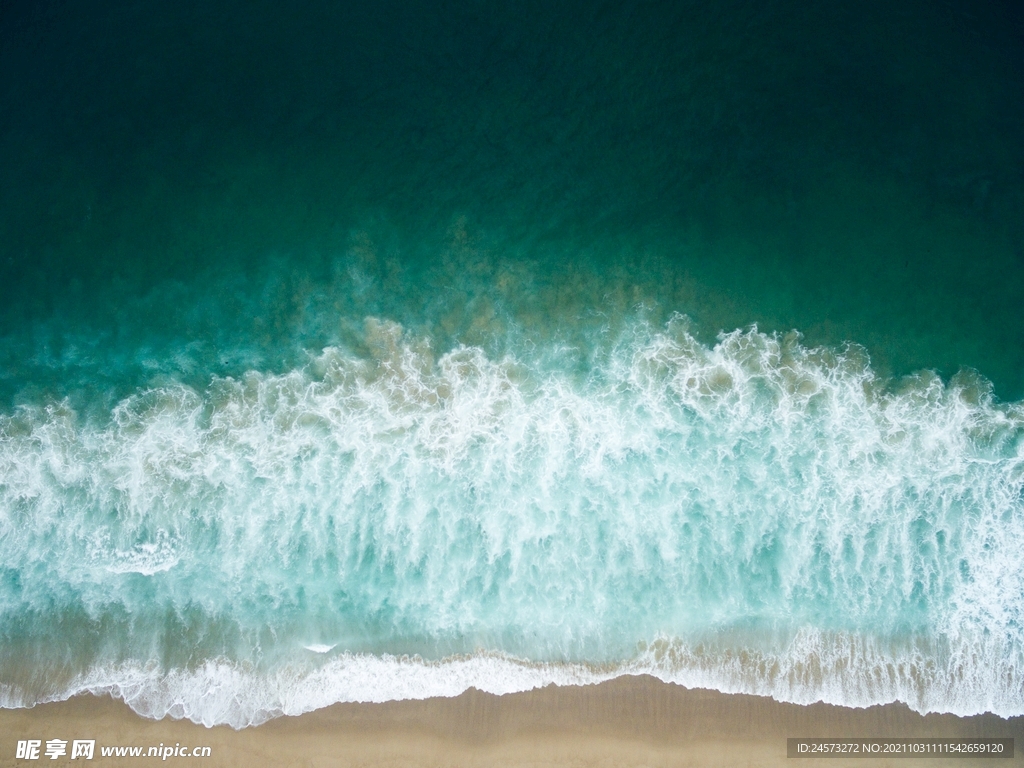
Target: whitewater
pixel 398 517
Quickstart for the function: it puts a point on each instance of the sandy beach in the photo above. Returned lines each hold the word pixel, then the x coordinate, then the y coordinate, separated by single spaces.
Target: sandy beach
pixel 624 722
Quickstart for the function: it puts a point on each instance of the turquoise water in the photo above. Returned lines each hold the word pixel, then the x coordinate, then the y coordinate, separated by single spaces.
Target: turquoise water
pixel 362 355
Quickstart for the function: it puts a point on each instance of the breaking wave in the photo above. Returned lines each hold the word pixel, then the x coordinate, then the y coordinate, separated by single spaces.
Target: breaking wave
pixel 386 522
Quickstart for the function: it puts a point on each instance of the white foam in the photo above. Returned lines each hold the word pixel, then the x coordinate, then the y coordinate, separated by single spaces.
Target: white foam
pixel 320 647
pixel 815 666
pixel 676 492
pixel 145 558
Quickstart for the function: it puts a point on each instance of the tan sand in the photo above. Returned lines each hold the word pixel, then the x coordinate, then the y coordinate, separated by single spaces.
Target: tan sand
pixel 633 721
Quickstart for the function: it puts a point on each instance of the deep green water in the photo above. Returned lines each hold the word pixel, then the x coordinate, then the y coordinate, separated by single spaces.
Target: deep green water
pixel 362 328
pixel 851 170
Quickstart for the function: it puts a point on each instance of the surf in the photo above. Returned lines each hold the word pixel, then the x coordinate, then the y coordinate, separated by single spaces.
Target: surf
pixel 674 508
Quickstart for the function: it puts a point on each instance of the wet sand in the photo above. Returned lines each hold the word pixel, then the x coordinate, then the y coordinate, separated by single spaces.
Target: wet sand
pixel 630 721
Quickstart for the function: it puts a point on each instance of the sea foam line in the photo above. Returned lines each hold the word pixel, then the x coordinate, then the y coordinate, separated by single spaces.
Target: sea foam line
pixel 837 669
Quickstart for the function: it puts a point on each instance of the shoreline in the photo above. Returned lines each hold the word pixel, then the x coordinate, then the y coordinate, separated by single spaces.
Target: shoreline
pixel 626 721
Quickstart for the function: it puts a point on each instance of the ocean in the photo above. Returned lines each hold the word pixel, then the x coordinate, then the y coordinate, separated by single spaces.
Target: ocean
pixel 372 353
